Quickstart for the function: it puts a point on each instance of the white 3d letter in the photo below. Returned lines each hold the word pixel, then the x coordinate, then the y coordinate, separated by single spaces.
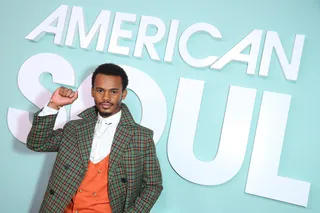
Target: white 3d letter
pixel 263 179
pixel 234 136
pixel 29 85
pixel 45 27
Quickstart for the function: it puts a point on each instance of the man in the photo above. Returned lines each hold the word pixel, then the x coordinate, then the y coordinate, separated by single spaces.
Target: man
pixel 105 162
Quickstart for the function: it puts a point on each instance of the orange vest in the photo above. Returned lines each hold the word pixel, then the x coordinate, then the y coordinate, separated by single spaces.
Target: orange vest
pixel 92 195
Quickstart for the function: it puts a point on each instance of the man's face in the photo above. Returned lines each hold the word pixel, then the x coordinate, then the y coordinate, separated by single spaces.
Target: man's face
pixel 107 94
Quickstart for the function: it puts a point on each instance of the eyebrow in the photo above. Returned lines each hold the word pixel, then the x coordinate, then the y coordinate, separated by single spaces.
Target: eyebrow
pixel 109 89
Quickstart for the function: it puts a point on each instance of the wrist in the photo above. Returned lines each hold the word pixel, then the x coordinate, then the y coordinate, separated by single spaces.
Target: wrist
pixel 53 105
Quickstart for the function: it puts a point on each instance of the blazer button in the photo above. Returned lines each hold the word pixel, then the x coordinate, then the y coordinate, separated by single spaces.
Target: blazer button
pixel 67 167
pixel 123 180
pixel 51 191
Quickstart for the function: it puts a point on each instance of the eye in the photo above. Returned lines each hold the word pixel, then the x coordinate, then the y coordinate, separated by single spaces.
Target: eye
pixel 99 90
pixel 114 92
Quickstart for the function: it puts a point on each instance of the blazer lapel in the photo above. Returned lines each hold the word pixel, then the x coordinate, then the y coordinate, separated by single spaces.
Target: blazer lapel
pixel 121 139
pixel 85 133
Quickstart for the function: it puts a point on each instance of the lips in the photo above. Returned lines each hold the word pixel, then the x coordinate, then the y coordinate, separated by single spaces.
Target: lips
pixel 105 105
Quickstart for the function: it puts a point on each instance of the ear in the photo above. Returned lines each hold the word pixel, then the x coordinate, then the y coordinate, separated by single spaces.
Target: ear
pixel 124 94
pixel 92 92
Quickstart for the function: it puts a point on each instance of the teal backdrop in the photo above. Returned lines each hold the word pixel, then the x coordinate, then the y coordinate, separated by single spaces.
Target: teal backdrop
pixel 24 174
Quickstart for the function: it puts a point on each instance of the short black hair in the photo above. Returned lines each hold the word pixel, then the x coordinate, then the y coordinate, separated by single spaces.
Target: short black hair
pixel 111 69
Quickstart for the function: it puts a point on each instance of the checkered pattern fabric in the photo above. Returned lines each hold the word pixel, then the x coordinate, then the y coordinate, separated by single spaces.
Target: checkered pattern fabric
pixel 134 180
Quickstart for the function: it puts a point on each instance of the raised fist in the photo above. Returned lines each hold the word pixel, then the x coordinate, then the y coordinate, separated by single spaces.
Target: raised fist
pixel 61 97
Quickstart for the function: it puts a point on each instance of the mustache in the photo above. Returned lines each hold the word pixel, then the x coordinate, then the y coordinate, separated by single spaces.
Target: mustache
pixel 106 102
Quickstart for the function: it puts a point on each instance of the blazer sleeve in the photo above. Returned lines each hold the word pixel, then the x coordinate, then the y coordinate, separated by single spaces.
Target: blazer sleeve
pixel 42 137
pixel 152 181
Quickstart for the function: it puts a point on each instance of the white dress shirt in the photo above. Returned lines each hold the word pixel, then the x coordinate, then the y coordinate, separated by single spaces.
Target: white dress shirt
pixel 103 134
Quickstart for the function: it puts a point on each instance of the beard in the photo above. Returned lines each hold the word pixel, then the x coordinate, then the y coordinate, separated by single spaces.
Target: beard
pixel 115 107
pixel 104 114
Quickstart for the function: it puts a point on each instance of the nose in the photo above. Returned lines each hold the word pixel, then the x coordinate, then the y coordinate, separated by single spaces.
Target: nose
pixel 106 96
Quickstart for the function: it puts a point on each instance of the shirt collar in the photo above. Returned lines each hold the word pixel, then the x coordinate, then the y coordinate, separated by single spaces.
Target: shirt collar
pixel 113 119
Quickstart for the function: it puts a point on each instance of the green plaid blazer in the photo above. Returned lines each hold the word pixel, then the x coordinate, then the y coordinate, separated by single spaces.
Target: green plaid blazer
pixel 134 179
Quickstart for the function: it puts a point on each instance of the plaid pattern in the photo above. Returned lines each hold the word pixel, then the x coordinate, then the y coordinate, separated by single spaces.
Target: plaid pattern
pixel 134 180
